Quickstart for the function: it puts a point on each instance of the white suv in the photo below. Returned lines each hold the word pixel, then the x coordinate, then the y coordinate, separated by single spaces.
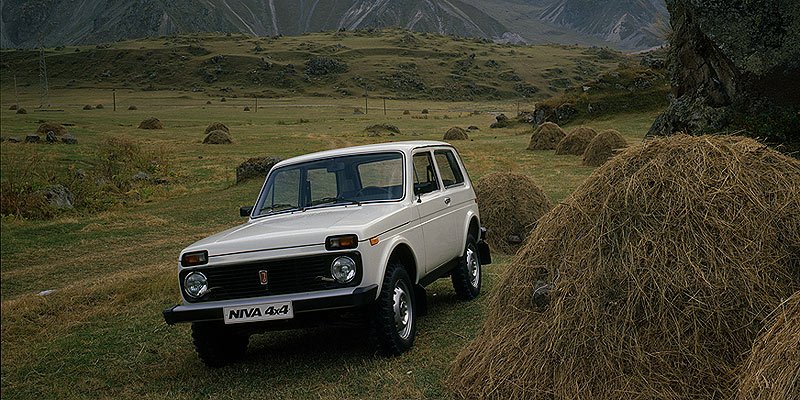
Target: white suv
pixel 359 229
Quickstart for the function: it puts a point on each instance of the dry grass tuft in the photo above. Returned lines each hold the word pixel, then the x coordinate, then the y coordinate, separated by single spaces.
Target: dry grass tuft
pixel 772 370
pixel 510 204
pixel 576 142
pixel 603 147
pixel 546 137
pixel 456 133
pixel 652 280
pixel 216 126
pixel 151 123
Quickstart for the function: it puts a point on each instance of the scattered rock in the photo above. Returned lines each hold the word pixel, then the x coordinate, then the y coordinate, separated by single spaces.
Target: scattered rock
pixel 69 139
pixel 12 139
pixel 51 137
pixel 256 167
pixel 151 123
pixel 218 137
pixel 32 138
pixel 58 196
pixel 141 176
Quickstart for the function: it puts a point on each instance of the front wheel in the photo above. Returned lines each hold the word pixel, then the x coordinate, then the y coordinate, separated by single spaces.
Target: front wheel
pixel 394 317
pixel 218 345
pixel 466 276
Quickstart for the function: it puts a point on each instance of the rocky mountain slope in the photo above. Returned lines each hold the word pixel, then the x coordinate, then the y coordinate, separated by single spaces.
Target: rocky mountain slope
pixel 626 24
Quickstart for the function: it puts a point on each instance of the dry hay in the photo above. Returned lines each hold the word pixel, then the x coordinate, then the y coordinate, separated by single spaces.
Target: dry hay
pixel 99 107
pixel 510 204
pixel 218 137
pixel 382 129
pixel 246 108
pixel 406 112
pixel 208 102
pixel 772 370
pixel 216 126
pixel 222 100
pixel 13 107
pixel 22 111
pixel 88 107
pixel 47 127
pixel 603 147
pixel 546 137
pixel 151 123
pixel 256 167
pixel 424 111
pixel 651 280
pixel 132 108
pixel 456 133
pixel 576 141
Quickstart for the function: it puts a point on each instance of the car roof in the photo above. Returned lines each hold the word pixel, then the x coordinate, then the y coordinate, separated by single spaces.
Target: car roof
pixel 404 146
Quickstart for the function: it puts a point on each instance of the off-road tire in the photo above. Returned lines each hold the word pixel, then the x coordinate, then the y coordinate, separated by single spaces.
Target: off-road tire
pixel 385 328
pixel 218 345
pixel 463 280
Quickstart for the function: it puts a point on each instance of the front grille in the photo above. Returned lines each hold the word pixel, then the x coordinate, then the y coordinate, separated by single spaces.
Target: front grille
pixel 287 276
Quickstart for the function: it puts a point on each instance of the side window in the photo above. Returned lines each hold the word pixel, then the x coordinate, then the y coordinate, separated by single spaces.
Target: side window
pixel 448 166
pixel 322 184
pixel 424 174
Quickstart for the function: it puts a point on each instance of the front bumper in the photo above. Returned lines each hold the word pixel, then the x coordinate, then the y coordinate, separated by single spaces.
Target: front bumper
pixel 306 305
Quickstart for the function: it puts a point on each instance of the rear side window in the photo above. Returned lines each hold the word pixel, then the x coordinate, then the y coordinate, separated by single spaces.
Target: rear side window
pixel 448 166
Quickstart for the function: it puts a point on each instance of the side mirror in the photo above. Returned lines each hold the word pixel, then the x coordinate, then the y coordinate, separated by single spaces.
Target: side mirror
pixel 245 211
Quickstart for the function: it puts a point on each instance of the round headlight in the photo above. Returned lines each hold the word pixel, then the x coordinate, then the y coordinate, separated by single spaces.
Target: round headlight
pixel 343 269
pixel 195 284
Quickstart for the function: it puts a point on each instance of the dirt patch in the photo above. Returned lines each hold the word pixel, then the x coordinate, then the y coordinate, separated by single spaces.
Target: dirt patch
pixel 604 146
pixel 654 277
pixel 510 204
pixel 546 137
pixel 576 141
pixel 218 137
pixel 151 123
pixel 456 133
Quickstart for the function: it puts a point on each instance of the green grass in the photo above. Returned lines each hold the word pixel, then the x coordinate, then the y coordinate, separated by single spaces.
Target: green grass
pixel 100 333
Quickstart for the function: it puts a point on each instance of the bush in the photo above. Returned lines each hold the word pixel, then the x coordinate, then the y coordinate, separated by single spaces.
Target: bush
pixel 319 66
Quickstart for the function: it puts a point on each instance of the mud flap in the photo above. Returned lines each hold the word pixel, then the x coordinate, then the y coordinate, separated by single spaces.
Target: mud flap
pixel 484 253
pixel 421 296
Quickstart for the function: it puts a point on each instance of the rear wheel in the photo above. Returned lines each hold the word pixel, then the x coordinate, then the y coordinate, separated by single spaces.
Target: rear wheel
pixel 218 345
pixel 394 317
pixel 466 276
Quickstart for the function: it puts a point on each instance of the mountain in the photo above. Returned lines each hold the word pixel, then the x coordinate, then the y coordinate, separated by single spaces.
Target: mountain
pixel 625 24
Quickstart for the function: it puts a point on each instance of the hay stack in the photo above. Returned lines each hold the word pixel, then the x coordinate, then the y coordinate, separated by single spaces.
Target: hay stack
pixel 456 133
pixel 651 280
pixel 603 147
pixel 151 123
pixel 576 142
pixel 47 127
pixel 510 204
pixel 88 107
pixel 546 137
pixel 382 129
pixel 132 108
pixel 772 370
pixel 216 126
pixel 13 107
pixel 406 112
pixel 21 110
pixel 99 107
pixel 218 137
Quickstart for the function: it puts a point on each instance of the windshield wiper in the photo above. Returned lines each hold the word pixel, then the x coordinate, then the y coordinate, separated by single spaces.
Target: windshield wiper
pixel 336 200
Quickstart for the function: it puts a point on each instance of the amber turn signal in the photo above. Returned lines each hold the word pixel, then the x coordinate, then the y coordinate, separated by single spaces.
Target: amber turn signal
pixel 341 242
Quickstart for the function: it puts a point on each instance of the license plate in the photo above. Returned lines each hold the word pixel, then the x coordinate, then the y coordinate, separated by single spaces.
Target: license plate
pixel 258 312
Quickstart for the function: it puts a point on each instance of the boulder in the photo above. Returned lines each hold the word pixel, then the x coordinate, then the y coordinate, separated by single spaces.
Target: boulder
pixel 58 196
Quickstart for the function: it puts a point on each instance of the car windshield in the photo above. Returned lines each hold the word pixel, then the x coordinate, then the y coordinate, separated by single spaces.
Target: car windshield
pixel 333 181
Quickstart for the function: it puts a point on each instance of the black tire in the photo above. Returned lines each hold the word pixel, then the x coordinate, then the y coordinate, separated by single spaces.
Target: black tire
pixel 395 337
pixel 218 345
pixel 467 276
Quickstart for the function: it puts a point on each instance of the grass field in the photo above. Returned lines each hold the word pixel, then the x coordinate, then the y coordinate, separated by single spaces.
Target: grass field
pixel 100 334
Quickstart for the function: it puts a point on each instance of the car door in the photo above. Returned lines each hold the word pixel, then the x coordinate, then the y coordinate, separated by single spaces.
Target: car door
pixel 457 198
pixel 431 205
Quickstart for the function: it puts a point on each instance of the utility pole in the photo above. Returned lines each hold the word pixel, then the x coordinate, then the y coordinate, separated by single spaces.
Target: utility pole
pixel 16 95
pixel 366 100
pixel 114 96
pixel 384 106
pixel 256 104
pixel 45 95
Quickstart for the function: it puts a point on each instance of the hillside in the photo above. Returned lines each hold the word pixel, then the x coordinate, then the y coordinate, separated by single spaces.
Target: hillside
pixel 390 63
pixel 625 25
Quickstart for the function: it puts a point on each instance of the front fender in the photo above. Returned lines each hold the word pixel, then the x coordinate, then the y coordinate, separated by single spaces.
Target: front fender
pixel 387 248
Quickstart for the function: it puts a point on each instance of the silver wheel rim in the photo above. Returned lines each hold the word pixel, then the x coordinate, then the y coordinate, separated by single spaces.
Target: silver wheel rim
pixel 473 267
pixel 403 312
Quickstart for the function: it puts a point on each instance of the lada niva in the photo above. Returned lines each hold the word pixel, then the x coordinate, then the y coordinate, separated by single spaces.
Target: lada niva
pixel 356 230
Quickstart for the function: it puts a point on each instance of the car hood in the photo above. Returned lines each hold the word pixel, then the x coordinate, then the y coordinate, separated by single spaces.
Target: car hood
pixel 303 228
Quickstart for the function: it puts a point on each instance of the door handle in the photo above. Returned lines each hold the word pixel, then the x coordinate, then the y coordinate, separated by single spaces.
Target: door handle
pixel 447 201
